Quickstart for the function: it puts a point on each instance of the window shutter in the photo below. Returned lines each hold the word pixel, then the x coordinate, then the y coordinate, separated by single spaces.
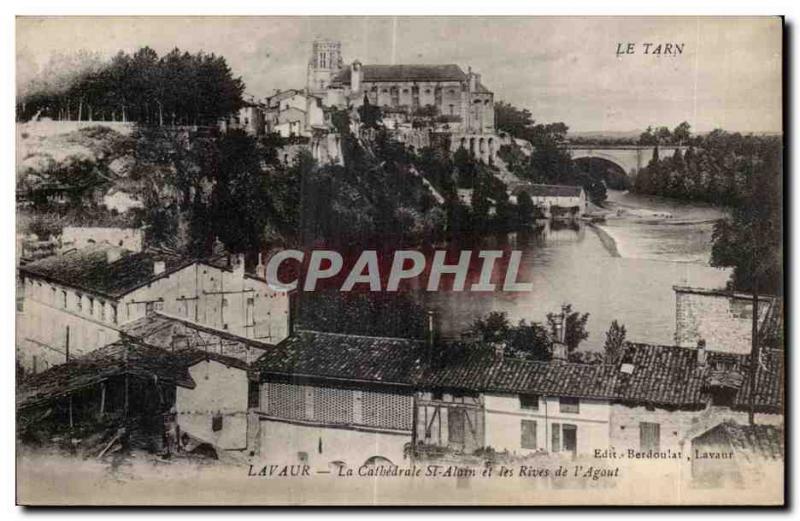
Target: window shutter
pixel 556 441
pixel 649 436
pixel 528 434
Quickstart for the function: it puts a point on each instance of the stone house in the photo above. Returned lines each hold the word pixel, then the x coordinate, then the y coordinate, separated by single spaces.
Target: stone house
pixel 294 113
pixel 555 201
pixel 720 318
pixel 79 301
pixel 326 398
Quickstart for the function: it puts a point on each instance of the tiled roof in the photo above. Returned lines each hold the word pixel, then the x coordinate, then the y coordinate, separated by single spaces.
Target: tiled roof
pixel 670 375
pixel 379 73
pixel 487 373
pixel 481 88
pixel 351 357
pixel 661 375
pixel 89 269
pixel 540 190
pixel 124 357
pixel 170 332
pixel 115 359
pixel 750 442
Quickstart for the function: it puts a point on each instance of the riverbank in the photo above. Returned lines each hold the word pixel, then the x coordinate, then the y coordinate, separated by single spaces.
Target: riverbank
pixel 608 241
pixel 657 228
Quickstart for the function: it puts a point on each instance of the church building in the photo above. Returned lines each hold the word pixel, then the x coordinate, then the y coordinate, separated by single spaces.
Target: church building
pixel 442 94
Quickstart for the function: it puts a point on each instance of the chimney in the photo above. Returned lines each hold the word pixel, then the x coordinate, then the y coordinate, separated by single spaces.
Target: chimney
pixel 238 265
pixel 159 267
pixel 431 338
pixel 113 255
pixel 701 352
pixel 473 86
pixel 261 268
pixel 499 349
pixel 355 76
pixel 559 351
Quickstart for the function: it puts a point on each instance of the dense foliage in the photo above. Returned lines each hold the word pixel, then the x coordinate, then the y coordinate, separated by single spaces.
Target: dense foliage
pixel 550 162
pixel 743 173
pixel 531 341
pixel 178 88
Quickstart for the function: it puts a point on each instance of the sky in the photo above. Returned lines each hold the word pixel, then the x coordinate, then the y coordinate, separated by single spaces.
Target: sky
pixel 560 68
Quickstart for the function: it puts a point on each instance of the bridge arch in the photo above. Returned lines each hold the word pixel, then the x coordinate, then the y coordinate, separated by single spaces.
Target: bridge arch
pixel 631 158
pixel 626 162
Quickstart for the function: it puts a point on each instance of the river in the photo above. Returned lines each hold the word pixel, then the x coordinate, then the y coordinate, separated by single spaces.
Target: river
pixel 623 269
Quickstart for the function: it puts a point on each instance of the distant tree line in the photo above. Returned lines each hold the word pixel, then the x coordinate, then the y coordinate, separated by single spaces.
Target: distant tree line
pixel 178 88
pixel 715 168
pixel 680 135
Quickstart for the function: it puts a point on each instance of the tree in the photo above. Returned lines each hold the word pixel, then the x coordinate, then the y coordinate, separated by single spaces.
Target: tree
pixel 574 326
pixel 512 120
pixel 178 88
pixel 750 240
pixel 615 341
pixel 524 341
pixel 493 328
pixel 371 116
pixel 682 133
pixel 525 208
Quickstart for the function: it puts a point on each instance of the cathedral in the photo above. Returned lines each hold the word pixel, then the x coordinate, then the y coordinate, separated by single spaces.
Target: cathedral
pixel 444 93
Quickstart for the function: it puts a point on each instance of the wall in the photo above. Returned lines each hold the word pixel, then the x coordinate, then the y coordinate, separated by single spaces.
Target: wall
pixel 131 239
pixel 219 390
pixel 327 149
pixel 248 307
pixel 282 442
pixel 377 408
pixel 677 427
pixel 504 415
pixel 723 320
pixel 42 325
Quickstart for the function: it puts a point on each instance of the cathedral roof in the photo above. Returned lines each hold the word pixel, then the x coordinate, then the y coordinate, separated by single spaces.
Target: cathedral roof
pixel 379 73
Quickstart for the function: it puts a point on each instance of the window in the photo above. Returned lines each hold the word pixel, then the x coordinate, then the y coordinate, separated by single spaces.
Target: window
pixel 102 310
pixel 455 425
pixel 569 438
pixel 79 301
pixel 649 436
pixel 64 299
pixel 253 394
pixel 528 434
pixel 555 443
pixel 91 307
pixel 564 438
pixel 114 314
pixel 529 401
pixel 569 405
pixel 216 422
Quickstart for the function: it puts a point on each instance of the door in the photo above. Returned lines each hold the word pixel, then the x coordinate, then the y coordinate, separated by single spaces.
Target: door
pixel 455 426
pixel 570 438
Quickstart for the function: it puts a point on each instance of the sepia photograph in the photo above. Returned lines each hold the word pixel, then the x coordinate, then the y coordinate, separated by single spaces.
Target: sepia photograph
pixel 399 261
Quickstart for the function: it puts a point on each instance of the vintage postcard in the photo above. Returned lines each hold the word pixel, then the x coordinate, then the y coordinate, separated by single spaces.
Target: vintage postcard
pixel 399 261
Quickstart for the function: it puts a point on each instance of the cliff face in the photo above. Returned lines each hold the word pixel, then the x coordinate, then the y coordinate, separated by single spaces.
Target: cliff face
pixel 71 152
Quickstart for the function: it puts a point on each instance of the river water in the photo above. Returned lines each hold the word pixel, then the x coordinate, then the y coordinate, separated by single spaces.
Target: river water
pixel 623 269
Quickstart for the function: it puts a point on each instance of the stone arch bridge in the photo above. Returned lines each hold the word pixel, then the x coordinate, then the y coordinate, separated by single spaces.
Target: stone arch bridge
pixel 630 158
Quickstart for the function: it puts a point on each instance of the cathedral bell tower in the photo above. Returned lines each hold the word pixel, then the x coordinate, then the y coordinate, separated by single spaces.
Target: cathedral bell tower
pixel 325 63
